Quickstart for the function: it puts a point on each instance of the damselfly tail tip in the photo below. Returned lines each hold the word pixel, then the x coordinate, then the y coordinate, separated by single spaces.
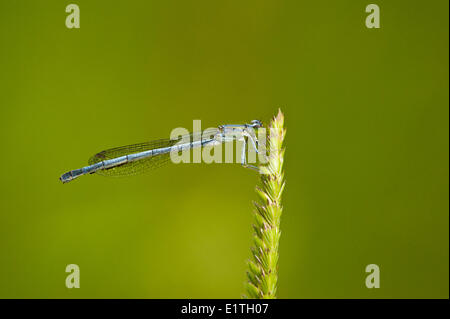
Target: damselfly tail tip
pixel 69 176
pixel 66 177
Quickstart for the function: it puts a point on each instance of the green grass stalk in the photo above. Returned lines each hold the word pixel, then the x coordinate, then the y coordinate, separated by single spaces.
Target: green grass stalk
pixel 262 271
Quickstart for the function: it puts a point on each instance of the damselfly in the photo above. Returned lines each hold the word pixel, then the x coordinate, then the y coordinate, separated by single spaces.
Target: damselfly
pixel 136 158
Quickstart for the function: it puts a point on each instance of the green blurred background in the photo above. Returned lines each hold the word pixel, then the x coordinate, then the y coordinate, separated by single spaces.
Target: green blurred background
pixel 366 161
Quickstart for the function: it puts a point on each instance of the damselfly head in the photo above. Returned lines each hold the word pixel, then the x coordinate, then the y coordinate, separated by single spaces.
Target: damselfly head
pixel 256 124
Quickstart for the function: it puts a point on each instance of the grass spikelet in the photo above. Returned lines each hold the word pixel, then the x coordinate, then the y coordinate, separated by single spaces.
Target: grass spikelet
pixel 262 271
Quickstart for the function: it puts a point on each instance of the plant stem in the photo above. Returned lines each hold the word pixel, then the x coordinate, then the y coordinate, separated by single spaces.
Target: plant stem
pixel 263 268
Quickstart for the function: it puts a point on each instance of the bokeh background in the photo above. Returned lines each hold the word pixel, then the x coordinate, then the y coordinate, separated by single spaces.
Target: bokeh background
pixel 366 161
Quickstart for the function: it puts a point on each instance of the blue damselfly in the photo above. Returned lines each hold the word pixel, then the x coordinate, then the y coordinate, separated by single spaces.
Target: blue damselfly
pixel 136 158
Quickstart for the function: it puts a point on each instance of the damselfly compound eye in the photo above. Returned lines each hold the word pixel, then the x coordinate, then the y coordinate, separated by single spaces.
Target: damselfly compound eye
pixel 256 123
